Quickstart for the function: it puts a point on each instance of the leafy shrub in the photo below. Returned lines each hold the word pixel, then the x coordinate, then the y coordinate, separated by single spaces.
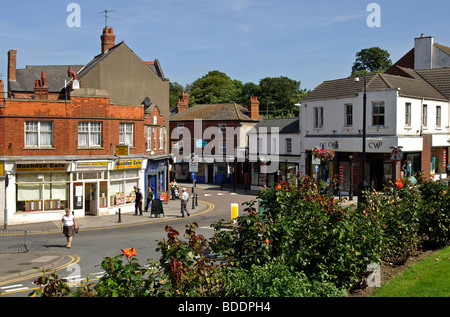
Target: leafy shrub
pixel 434 216
pixel 306 228
pixel 274 279
pixel 395 211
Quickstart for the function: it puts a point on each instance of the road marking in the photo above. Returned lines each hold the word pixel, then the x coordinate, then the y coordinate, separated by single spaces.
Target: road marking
pixel 13 288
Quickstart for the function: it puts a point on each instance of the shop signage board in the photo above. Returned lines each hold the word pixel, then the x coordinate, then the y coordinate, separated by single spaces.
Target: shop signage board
pixel 128 164
pixel 40 167
pixel 121 149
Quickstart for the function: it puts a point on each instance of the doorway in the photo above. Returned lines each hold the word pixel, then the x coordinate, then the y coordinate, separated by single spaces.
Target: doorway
pixel 90 199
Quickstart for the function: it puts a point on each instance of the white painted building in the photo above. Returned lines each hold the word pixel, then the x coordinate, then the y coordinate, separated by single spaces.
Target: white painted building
pixel 274 151
pixel 406 108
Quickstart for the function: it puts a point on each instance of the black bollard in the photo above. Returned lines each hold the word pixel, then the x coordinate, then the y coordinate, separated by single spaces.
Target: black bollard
pixel 120 216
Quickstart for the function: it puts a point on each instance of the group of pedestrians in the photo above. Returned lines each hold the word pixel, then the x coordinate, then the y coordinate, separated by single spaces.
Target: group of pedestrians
pixel 139 197
pixel 69 223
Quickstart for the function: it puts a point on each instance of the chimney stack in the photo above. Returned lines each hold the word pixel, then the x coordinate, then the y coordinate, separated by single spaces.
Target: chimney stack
pixel 2 91
pixel 253 107
pixel 12 63
pixel 108 39
pixel 183 101
pixel 40 87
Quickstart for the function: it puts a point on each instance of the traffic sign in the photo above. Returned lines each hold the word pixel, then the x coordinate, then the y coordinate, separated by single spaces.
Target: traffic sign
pixel 396 155
pixel 193 163
pixel 316 168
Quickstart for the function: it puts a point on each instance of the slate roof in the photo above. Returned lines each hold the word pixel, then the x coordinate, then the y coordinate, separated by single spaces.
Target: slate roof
pixel 219 112
pixel 439 78
pixel 285 125
pixel 56 74
pixel 410 84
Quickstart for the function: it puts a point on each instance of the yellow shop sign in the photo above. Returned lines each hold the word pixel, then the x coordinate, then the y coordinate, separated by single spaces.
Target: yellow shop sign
pixel 128 164
pixel 40 167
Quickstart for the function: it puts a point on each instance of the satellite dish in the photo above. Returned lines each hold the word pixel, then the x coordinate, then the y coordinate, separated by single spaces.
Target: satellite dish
pixel 147 102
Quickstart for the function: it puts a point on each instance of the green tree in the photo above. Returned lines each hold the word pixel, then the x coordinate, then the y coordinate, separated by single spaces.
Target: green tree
pixel 370 61
pixel 215 87
pixel 175 90
pixel 278 96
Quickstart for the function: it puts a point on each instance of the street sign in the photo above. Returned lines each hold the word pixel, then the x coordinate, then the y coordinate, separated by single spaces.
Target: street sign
pixel 193 163
pixel 193 175
pixel 316 168
pixel 396 155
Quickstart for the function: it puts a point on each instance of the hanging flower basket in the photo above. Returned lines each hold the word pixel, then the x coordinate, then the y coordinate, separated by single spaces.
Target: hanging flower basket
pixel 323 154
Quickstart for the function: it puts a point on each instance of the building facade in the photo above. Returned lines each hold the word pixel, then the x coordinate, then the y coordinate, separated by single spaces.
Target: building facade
pixel 217 135
pixel 82 137
pixel 406 109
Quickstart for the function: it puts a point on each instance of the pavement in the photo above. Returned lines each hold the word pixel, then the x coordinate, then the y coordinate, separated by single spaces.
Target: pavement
pixel 16 266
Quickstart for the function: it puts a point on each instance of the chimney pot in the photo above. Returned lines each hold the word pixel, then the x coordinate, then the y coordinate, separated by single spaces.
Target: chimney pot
pixel 108 39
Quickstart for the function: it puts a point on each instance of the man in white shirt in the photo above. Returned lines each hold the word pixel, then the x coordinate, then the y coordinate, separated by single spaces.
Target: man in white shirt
pixel 184 202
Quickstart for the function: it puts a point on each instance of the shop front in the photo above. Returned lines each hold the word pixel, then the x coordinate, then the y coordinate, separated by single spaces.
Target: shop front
pixel 41 190
pixel 156 175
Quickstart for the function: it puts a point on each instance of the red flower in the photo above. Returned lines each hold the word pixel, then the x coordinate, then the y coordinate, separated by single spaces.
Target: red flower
pixel 399 183
pixel 129 252
pixel 278 186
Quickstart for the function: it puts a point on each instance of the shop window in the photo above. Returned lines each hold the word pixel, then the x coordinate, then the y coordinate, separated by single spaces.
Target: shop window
pixel 39 192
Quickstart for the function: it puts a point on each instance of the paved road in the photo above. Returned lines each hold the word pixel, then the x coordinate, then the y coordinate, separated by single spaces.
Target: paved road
pixel 108 237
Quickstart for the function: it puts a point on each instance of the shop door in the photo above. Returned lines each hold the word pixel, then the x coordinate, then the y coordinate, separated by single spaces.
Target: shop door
pixel 90 195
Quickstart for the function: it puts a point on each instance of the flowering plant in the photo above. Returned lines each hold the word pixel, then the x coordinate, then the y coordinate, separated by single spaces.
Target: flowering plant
pixel 323 154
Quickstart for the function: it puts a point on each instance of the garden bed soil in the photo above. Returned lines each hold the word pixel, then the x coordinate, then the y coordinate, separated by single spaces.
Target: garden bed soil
pixel 389 271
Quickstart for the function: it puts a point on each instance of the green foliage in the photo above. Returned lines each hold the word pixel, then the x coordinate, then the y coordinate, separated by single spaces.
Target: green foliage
pixel 306 228
pixel 371 60
pixel 185 264
pixel 434 216
pixel 50 285
pixel 274 279
pixel 395 212
pixel 214 87
pixel 305 243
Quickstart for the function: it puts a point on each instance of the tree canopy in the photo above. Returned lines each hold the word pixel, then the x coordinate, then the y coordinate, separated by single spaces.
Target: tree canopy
pixel 371 60
pixel 277 95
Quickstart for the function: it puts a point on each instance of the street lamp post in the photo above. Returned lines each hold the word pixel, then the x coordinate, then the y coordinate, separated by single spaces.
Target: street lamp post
pixel 363 185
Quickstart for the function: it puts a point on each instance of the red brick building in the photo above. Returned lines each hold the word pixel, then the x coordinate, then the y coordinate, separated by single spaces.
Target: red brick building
pixel 82 136
pixel 217 134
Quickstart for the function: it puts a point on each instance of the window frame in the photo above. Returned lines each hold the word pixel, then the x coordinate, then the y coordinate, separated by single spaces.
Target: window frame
pixel 89 132
pixel 378 105
pixel 123 132
pixel 39 133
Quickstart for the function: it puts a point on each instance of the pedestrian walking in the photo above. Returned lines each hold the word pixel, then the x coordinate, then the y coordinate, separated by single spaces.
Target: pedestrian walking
pixel 184 202
pixel 149 198
pixel 138 202
pixel 69 225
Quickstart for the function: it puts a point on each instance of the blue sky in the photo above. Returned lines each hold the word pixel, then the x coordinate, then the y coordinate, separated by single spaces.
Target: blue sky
pixel 309 41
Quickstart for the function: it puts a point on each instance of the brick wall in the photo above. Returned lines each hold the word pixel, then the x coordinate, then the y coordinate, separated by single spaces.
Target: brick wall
pixel 65 117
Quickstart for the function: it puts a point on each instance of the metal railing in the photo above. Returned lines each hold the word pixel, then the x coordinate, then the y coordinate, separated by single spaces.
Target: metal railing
pixel 13 241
